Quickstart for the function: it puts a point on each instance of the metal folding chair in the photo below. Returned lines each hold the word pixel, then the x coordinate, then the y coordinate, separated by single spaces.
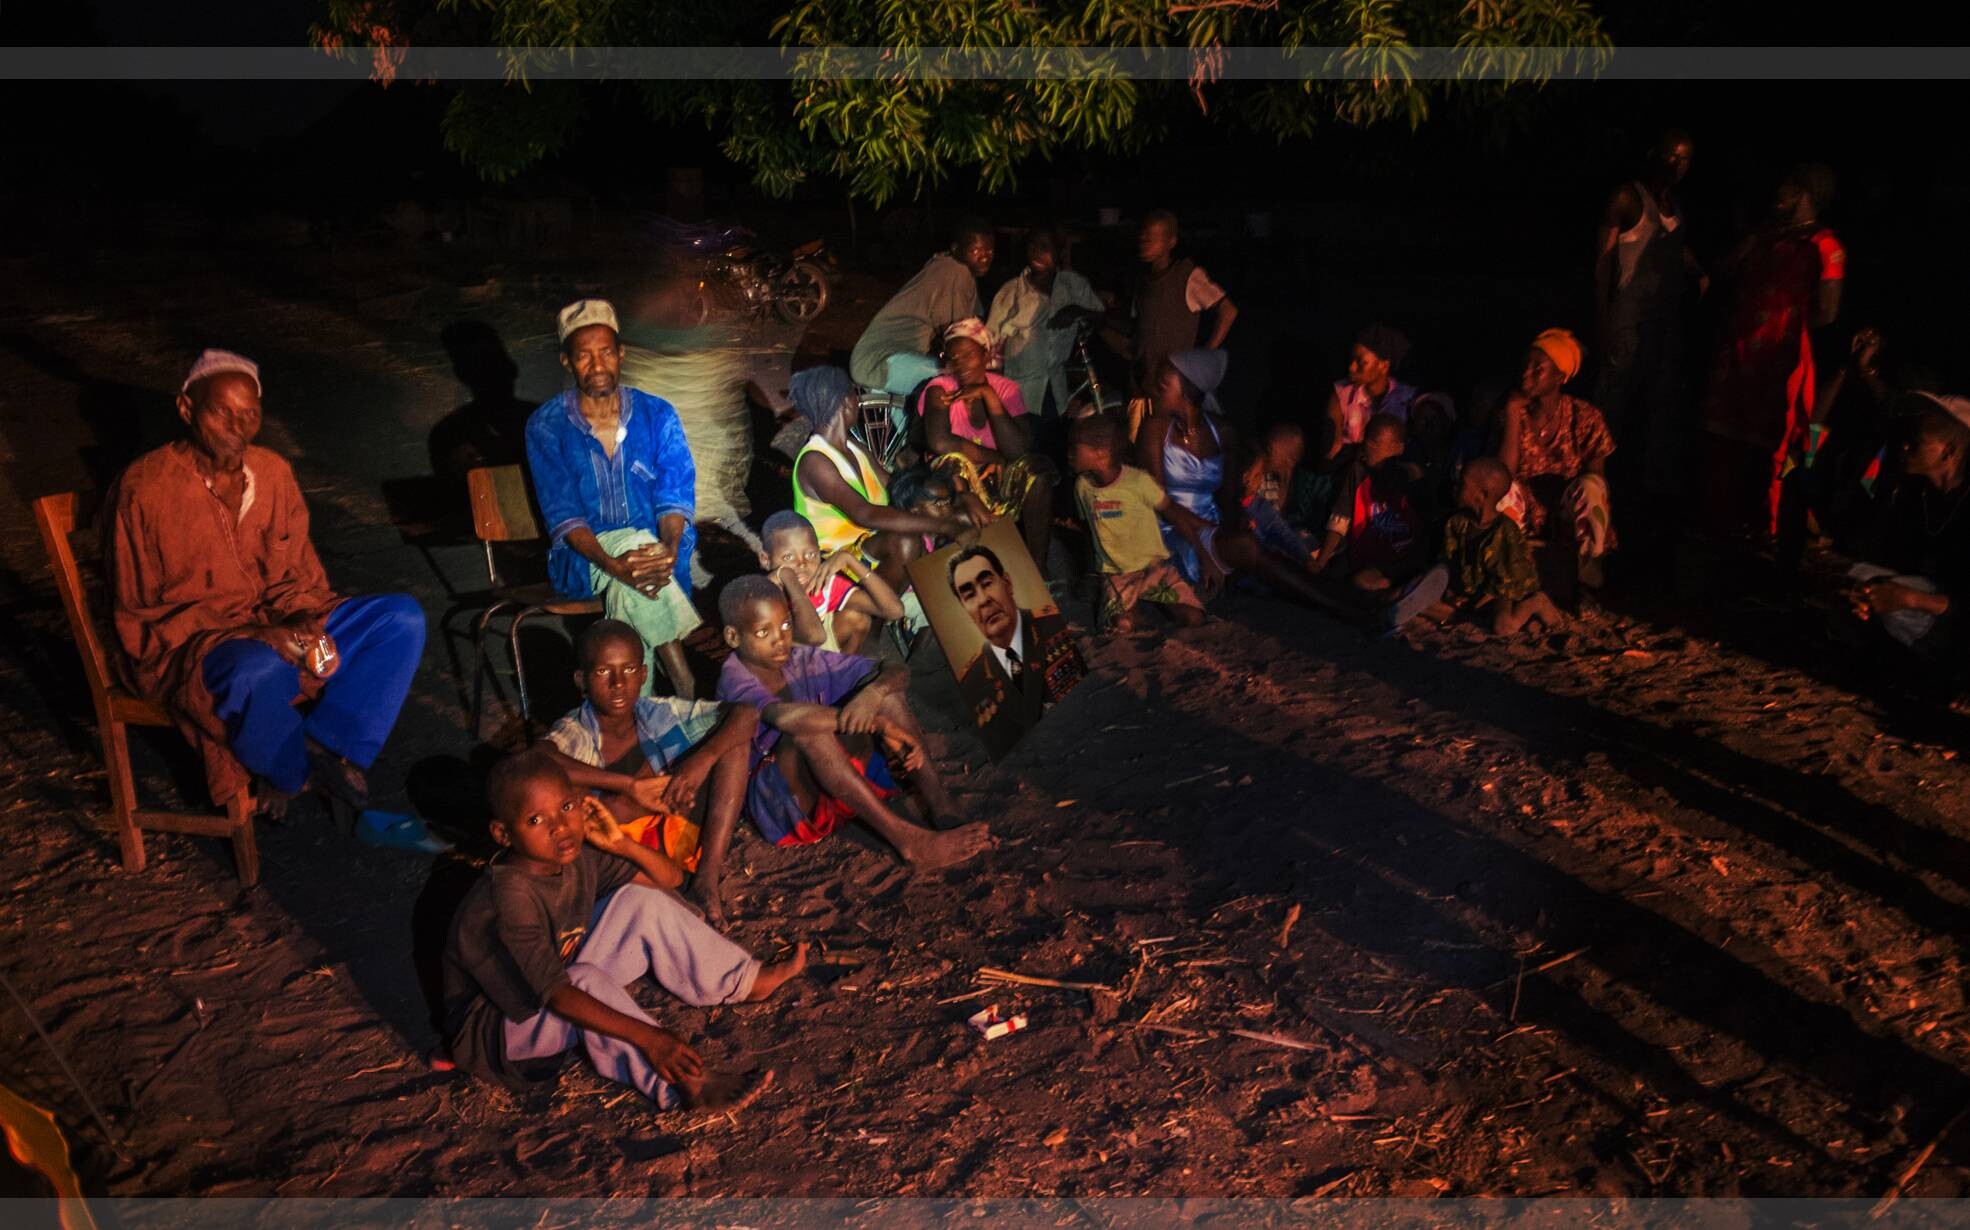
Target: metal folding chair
pixel 502 513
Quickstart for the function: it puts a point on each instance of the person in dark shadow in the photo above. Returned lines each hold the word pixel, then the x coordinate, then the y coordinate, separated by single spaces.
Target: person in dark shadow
pixel 1915 577
pixel 434 510
pixel 124 421
pixel 491 428
pixel 450 792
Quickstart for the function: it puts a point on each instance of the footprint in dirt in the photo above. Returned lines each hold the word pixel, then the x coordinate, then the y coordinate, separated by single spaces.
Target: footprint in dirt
pixel 651 1148
pixel 875 880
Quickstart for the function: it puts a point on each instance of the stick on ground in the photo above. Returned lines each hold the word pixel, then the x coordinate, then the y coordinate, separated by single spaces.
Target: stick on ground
pixel 1915 1166
pixel 988 974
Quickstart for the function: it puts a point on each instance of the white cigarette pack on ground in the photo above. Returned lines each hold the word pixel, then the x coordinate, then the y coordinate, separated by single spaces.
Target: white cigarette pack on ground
pixel 987 1021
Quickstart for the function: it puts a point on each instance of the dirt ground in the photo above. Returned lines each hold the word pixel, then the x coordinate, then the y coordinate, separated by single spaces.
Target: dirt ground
pixel 1659 905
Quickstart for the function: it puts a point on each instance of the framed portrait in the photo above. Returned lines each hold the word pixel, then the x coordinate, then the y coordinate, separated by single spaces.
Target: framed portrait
pixel 1007 644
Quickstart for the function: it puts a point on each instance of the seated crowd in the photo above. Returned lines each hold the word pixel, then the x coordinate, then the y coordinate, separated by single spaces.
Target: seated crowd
pixel 1378 507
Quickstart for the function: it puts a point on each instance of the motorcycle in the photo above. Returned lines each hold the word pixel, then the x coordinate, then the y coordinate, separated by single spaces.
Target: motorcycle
pixel 733 272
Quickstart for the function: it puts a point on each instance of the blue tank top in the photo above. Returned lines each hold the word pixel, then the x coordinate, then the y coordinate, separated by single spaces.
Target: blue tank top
pixel 1191 480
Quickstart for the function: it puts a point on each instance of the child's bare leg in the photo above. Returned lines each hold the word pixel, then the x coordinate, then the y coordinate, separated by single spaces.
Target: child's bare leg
pixel 926 781
pixel 822 765
pixel 1545 610
pixel 1511 617
pixel 851 628
pixel 775 974
pixel 721 799
pixel 671 654
pixel 1506 617
pixel 1115 614
pixel 893 553
pixel 1036 520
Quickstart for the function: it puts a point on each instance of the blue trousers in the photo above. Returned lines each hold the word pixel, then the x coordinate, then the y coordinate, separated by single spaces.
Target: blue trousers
pixel 380 638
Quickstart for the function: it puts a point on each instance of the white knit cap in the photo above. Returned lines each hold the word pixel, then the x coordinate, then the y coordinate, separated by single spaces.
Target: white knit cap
pixel 585 312
pixel 219 362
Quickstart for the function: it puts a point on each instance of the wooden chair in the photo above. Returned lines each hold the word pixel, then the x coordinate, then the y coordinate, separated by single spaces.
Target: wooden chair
pixel 502 512
pixel 117 710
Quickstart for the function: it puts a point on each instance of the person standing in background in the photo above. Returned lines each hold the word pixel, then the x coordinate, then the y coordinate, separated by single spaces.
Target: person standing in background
pixel 1642 265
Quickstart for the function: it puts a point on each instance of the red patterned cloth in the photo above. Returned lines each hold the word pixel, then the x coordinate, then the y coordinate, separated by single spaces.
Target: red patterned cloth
pixel 831 813
pixel 1560 446
pixel 1760 397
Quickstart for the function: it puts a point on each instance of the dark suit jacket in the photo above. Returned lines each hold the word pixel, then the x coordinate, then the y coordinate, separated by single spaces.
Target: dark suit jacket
pixel 1051 667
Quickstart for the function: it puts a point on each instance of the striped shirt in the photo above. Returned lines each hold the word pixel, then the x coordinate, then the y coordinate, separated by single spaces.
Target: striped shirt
pixel 666 727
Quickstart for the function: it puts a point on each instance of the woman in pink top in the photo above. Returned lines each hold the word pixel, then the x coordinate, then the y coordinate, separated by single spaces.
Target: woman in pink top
pixel 967 401
pixel 974 425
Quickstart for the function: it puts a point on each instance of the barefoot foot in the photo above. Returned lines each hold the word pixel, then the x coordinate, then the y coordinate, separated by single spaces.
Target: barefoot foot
pixel 773 975
pixel 269 801
pixel 706 893
pixel 934 851
pixel 728 1092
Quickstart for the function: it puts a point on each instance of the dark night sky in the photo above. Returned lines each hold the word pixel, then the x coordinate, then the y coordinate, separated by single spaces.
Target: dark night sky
pixel 1903 190
pixel 232 115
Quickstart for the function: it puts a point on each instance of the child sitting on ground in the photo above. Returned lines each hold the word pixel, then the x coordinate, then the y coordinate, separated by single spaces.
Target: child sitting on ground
pixel 569 913
pixel 1373 557
pixel 1269 484
pixel 1489 561
pixel 932 493
pixel 1372 537
pixel 1432 427
pixel 843 597
pixel 672 772
pixel 832 726
pixel 1121 505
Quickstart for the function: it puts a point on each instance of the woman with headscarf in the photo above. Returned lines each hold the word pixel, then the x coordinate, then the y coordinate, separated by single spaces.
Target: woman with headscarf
pixel 1786 280
pixel 1193 455
pixel 1371 387
pixel 1556 447
pixel 844 493
pixel 974 423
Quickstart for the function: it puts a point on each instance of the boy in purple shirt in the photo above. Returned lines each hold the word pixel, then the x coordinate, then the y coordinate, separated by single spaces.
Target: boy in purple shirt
pixel 831 726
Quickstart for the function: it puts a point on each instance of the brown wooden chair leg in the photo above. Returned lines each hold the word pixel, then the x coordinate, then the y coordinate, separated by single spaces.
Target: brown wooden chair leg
pixel 246 847
pixel 122 791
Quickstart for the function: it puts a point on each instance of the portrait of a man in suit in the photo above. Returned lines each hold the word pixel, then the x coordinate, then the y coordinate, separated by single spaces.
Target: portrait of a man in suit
pixel 1029 660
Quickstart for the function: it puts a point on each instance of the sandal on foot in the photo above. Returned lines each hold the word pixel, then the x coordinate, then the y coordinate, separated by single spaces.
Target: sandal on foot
pixel 388 830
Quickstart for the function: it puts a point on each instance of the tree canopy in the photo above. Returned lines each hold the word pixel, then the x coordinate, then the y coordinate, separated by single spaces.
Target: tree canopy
pixel 892 132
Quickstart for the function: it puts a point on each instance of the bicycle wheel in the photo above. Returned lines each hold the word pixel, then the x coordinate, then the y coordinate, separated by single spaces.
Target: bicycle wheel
pixel 802 293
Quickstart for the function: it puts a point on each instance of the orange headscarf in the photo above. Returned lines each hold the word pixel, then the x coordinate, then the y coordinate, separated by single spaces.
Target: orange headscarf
pixel 1563 349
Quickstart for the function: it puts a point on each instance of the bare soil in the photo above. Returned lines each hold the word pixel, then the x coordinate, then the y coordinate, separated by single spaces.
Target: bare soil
pixel 1658 905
